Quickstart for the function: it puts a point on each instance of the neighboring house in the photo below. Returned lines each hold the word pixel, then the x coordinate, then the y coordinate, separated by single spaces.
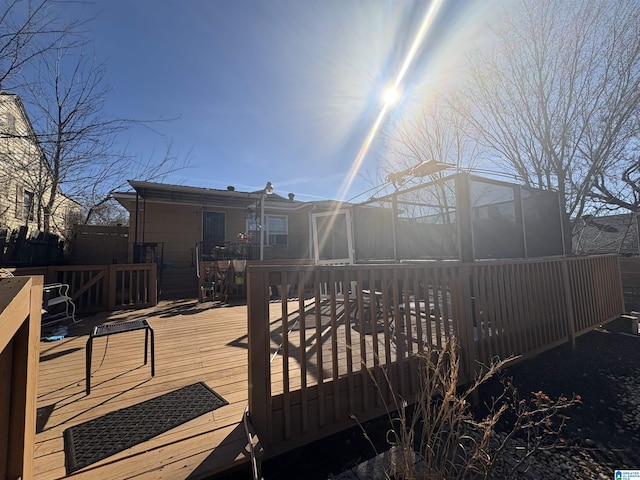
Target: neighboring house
pixel 607 234
pixel 25 176
pixel 184 221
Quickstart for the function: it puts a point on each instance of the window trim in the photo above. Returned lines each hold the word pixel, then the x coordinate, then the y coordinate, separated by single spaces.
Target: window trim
pixel 268 236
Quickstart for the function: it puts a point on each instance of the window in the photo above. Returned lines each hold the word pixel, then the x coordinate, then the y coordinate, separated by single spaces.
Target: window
pixel 7 124
pixel 27 205
pixel 276 229
pixel 19 203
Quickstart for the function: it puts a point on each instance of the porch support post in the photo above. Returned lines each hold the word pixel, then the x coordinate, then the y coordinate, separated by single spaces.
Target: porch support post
pixel 261 229
pixel 394 207
pixel 463 218
pixel 519 211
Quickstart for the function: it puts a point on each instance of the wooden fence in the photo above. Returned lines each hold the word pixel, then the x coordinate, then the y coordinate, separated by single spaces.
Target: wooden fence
pixel 349 345
pixel 99 244
pixel 103 287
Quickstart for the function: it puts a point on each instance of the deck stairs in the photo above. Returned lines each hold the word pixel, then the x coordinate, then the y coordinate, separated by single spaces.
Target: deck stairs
pixel 178 283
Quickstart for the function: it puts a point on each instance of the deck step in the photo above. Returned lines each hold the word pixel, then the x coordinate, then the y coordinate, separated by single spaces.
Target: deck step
pixel 179 283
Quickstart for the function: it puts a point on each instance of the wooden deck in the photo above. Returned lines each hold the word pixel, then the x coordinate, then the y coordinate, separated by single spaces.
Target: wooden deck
pixel 194 342
pixel 307 374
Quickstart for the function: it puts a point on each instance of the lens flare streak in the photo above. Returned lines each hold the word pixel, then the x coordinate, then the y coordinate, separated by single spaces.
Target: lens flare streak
pixel 411 54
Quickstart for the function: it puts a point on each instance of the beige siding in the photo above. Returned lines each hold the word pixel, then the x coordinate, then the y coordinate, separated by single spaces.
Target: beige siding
pixel 179 227
pixel 298 242
pixel 235 223
pixel 23 169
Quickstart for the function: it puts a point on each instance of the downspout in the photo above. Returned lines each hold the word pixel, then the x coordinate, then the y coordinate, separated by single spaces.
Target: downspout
pixel 144 216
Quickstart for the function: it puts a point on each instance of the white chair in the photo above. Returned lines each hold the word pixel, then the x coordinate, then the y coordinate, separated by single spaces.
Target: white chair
pixel 57 305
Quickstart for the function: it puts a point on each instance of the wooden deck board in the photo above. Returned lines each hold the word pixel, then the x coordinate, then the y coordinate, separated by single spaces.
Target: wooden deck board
pixel 201 344
pixel 192 343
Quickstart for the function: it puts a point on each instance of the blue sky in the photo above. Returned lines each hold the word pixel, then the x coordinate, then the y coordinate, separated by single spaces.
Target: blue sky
pixel 267 90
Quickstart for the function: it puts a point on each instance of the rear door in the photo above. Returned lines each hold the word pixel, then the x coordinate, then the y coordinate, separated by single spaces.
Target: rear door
pixel 213 230
pixel 333 237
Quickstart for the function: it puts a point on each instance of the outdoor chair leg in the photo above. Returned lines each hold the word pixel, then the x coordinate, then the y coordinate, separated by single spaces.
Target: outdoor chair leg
pixel 153 355
pixel 146 344
pixel 88 350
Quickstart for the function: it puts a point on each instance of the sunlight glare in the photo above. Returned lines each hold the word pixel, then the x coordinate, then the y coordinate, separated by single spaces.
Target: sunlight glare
pixel 391 96
pixel 417 41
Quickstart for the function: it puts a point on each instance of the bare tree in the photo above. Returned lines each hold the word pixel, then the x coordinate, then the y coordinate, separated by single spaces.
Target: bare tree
pixel 557 100
pixel 620 188
pixel 439 132
pixel 78 138
pixel 27 30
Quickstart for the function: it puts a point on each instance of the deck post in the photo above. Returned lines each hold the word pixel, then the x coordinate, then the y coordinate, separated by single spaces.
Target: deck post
pixel 462 302
pixel 20 316
pixel 568 298
pixel 258 351
pixel 111 287
pixel 153 284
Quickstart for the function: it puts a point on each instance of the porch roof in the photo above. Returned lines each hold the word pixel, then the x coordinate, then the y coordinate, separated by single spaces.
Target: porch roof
pixel 160 192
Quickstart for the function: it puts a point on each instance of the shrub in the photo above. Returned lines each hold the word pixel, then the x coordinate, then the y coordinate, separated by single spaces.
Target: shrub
pixel 438 437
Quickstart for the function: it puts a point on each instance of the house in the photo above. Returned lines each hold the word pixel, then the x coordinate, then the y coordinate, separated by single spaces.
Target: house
pixel 25 176
pixel 181 224
pixel 607 234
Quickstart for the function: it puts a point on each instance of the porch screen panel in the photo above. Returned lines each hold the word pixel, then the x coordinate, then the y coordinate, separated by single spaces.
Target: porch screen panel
pixel 497 228
pixel 542 223
pixel 332 231
pixel 373 233
pixel 426 222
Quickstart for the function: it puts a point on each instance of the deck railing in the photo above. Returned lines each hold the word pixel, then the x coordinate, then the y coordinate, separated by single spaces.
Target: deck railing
pixel 347 345
pixel 20 304
pixel 104 287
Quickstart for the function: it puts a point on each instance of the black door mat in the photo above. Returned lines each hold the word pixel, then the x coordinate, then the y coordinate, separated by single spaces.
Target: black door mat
pixel 97 439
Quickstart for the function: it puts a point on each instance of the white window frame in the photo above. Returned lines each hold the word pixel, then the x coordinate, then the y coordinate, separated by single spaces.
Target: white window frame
pixel 270 239
pixel 343 215
pixel 8 124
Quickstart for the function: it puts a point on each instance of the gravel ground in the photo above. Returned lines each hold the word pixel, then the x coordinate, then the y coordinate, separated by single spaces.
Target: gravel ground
pixel 602 434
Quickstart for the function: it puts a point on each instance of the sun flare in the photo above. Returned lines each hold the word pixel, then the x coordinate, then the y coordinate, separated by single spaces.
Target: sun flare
pixel 391 96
